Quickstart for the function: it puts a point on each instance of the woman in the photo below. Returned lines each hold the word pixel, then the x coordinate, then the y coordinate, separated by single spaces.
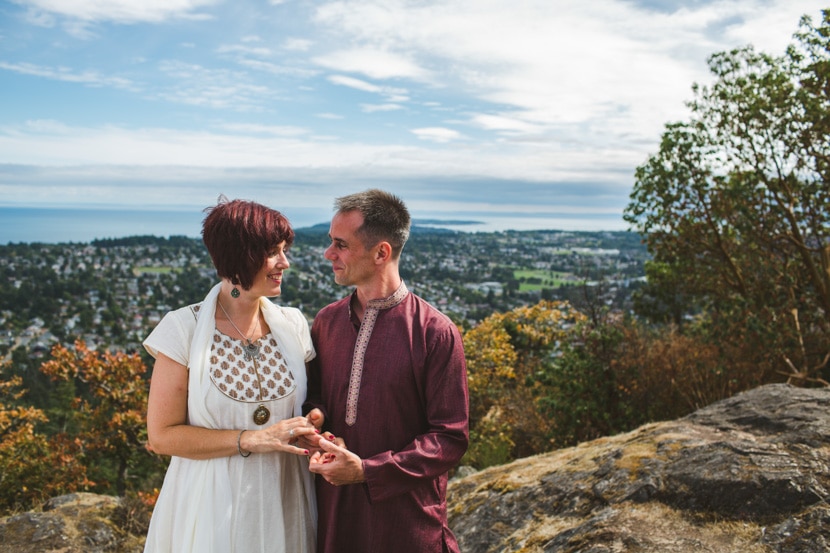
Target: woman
pixel 225 401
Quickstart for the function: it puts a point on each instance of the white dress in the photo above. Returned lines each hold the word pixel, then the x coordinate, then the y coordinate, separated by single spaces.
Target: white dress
pixel 260 503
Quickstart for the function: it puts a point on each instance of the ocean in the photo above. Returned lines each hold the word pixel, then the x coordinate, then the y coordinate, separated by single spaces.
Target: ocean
pixel 25 224
pixel 54 225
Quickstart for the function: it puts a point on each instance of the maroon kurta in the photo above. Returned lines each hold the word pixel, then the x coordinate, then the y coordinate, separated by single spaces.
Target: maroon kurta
pixel 411 426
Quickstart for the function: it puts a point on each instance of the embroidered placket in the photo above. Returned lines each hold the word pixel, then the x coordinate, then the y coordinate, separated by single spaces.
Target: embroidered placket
pixel 366 327
pixel 373 308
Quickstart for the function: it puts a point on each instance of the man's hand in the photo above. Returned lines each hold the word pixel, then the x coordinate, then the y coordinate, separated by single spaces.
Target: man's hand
pixel 315 419
pixel 336 464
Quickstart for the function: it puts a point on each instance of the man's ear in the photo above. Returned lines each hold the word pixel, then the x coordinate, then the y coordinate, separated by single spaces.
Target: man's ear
pixel 384 252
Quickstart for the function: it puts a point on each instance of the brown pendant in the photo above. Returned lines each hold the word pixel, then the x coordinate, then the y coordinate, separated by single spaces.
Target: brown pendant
pixel 261 415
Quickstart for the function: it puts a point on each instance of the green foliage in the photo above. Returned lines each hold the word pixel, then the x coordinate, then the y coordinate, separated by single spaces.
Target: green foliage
pixel 735 208
pixel 662 300
pixel 620 374
pixel 490 442
pixel 583 397
pixel 505 353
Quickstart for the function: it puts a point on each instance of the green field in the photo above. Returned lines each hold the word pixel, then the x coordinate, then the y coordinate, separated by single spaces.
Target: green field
pixel 536 279
pixel 155 270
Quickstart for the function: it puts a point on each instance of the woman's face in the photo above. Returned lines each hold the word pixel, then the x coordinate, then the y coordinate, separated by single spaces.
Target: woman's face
pixel 268 280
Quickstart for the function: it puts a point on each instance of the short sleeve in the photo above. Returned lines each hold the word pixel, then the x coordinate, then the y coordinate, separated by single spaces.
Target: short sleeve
pixel 300 325
pixel 172 336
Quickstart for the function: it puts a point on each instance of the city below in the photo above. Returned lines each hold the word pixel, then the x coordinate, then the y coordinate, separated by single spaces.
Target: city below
pixel 111 293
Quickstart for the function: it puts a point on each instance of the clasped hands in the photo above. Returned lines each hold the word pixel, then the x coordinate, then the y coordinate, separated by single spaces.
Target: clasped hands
pixel 330 458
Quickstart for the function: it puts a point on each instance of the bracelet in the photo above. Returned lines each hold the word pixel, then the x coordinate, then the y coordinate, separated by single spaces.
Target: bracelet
pixel 239 445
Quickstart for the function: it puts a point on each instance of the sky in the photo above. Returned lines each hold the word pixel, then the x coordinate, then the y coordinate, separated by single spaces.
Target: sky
pixel 520 113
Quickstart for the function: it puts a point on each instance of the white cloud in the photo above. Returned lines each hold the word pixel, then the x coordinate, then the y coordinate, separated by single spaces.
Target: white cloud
pixel 244 50
pixel 392 94
pixel 54 144
pixel 88 78
pixel 197 85
pixel 374 63
pixel 40 18
pixel 46 126
pixel 505 123
pixel 253 129
pixel 437 134
pixel 607 68
pixel 276 69
pixel 297 44
pixel 357 84
pixel 770 26
pixel 373 108
pixel 123 11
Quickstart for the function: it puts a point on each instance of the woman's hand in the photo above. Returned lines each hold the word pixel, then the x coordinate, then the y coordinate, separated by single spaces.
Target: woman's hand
pixel 293 435
pixel 311 442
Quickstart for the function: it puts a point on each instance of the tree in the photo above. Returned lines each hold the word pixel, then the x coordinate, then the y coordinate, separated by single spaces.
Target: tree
pixel 735 207
pixel 584 395
pixel 620 374
pixel 32 466
pixel 506 354
pixel 109 409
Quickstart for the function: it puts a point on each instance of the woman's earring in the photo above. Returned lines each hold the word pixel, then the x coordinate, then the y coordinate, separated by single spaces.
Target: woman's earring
pixel 235 292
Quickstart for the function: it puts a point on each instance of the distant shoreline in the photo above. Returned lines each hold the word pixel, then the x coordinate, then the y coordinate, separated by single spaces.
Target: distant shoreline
pixel 62 225
pixel 443 222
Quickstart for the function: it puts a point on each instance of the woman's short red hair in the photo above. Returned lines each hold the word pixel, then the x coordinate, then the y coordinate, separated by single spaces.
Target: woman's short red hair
pixel 239 236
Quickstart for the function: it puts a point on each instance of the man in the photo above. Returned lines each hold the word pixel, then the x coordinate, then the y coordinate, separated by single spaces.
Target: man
pixel 390 378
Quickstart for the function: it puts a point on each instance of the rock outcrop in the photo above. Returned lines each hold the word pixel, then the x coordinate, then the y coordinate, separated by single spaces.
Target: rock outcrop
pixel 74 523
pixel 749 474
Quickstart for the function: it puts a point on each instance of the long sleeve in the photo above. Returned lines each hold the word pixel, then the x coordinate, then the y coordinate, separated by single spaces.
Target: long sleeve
pixel 437 450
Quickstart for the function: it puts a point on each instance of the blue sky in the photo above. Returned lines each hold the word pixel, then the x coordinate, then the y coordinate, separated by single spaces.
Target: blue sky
pixel 534 113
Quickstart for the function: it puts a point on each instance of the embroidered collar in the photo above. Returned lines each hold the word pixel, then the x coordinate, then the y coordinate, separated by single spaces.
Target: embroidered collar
pixel 390 301
pixel 384 303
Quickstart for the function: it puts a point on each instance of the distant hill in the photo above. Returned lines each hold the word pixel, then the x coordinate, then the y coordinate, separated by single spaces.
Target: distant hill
pixel 439 222
pixel 419 226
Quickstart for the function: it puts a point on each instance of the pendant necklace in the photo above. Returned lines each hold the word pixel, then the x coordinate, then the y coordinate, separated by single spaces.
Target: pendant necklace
pixel 261 413
pixel 251 349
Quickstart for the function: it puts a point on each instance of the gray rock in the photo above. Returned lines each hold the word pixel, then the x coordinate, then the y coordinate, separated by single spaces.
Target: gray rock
pixel 73 523
pixel 744 475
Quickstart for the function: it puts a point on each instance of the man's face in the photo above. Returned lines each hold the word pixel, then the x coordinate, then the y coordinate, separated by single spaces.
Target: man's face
pixel 351 262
